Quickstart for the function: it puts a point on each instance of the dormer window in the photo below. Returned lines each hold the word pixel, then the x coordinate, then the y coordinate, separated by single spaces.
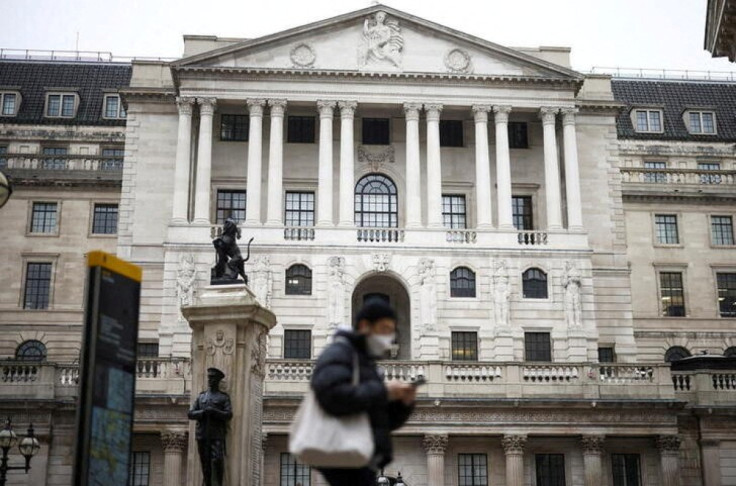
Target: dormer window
pixel 701 122
pixel 61 105
pixel 648 121
pixel 113 107
pixel 9 103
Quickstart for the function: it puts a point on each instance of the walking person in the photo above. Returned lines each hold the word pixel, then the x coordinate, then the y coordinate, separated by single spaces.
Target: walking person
pixel 388 405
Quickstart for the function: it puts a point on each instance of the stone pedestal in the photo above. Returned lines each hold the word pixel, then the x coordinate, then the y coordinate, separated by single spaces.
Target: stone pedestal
pixel 229 329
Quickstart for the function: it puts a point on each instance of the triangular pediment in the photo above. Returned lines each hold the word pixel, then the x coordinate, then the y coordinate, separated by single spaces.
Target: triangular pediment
pixel 378 39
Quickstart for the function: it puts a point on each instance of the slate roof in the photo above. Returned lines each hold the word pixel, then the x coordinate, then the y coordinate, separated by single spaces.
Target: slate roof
pixel 674 97
pixel 90 81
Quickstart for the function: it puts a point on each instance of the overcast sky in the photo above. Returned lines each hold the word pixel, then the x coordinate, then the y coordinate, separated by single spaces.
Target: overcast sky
pixel 624 33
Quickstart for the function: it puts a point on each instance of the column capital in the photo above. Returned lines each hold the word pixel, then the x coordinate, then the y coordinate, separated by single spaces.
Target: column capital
pixel 668 444
pixel 501 113
pixel 433 111
pixel 480 112
pixel 592 444
pixel 435 443
pixel 174 440
pixel 513 444
pixel 255 106
pixel 264 440
pixel 207 105
pixel 278 107
pixel 326 108
pixel 347 108
pixel 411 110
pixel 547 114
pixel 568 115
pixel 185 105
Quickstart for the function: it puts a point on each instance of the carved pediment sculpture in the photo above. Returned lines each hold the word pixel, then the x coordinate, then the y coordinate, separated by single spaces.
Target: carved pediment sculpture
pixel 382 43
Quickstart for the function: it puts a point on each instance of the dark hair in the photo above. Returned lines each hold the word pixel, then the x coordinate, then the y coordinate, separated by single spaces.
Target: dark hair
pixel 373 310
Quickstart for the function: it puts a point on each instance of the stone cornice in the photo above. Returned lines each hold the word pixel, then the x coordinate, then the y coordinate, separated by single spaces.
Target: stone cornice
pixel 147 95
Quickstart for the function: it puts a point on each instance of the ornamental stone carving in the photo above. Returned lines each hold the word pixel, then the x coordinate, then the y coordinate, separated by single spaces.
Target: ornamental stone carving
pixel 220 349
pixel 186 281
pixel 501 294
pixel 302 56
pixel 376 156
pixel 347 108
pixel 427 294
pixel 382 42
pixel 571 281
pixel 262 285
pixel 668 444
pixel 258 354
pixel 458 61
pixel 326 108
pixel 513 444
pixel 336 292
pixel 185 105
pixel 255 106
pixel 207 105
pixel 501 113
pixel 592 444
pixel 381 261
pixel 435 443
pixel 174 440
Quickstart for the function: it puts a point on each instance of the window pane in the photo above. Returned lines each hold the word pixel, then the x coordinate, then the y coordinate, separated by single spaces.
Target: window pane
pixel 472 470
pixel 297 344
pixel 462 282
pixel 464 346
pixel 451 133
pixel 113 159
pixel 666 229
pixel 626 469
pixel 105 219
pixel 641 121
pixel 727 294
pixel 518 138
pixel 299 209
pixel 3 160
pixel 655 124
pixel 709 178
pixel 521 207
pixel 709 123
pixel 672 294
pixel 234 128
pixel 298 280
pixel 8 104
pixel 148 350
pixel 376 131
pixel 43 218
pixel 54 163
pixel 54 105
pixel 537 346
pixel 376 202
pixel 605 355
pixel 300 129
pixel 655 177
pixel 534 284
pixel 453 212
pixel 230 204
pixel 293 473
pixel 38 286
pixel 111 106
pixel 31 350
pixel 550 469
pixel 67 107
pixel 695 122
pixel 140 466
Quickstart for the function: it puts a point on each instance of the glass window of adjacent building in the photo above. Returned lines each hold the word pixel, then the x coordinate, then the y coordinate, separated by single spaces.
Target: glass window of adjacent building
pixel 472 470
pixel 518 135
pixel 376 131
pixel 298 280
pixel 60 105
pixel 464 346
pixel 3 159
pixel 234 128
pixel 9 103
pixel 672 294
pixel 38 285
pixel 376 202
pixel 550 469
pixel 300 129
pixel 297 344
pixel 702 122
pixel 537 346
pixel 721 230
pixel 626 469
pixel 113 107
pixel 655 177
pixel 521 210
pixel 140 469
pixel 453 211
pixel 648 120
pixel 148 350
pixel 606 355
pixel 726 293
pixel 44 217
pixel 105 219
pixel 230 204
pixel 31 350
pixel 710 167
pixel 451 133
pixel 54 158
pixel 293 473
pixel 666 225
pixel 112 159
pixel 299 208
pixel 462 282
pixel 534 284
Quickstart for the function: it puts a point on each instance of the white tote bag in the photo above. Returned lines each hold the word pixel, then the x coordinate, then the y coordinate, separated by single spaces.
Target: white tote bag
pixel 319 439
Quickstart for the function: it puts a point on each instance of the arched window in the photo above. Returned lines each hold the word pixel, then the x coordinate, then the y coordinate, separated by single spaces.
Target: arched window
pixel 376 202
pixel 462 282
pixel 730 352
pixel 298 280
pixel 31 351
pixel 534 283
pixel 676 353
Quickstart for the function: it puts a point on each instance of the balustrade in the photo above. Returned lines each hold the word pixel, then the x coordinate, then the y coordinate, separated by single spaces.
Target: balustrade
pixel 550 373
pixel 642 175
pixel 380 235
pixel 532 238
pixel 461 236
pixel 62 163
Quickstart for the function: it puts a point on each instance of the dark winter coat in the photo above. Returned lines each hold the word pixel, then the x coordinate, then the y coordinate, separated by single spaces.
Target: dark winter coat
pixel 332 382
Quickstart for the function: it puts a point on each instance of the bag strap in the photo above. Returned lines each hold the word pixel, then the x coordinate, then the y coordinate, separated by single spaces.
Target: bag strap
pixel 356 361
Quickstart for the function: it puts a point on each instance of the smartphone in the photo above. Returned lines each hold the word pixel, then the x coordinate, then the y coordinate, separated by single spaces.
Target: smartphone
pixel 419 381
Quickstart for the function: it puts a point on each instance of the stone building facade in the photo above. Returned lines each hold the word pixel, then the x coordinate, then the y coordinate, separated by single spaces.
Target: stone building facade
pixel 547 238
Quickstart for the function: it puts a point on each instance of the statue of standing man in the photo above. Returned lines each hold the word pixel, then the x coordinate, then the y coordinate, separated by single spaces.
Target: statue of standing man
pixel 212 411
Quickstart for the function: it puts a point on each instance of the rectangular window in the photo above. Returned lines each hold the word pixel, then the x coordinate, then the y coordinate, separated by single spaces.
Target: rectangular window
pixel 451 133
pixel 67 106
pixel 465 346
pixel 293 473
pixel 376 131
pixel 8 104
pixel 672 294
pixel 3 160
pixel 518 136
pixel 299 209
pixel 230 204
pixel 522 212
pixel 38 286
pixel 550 469
pixel 234 128
pixel 472 470
pixel 666 229
pixel 710 178
pixel 300 129
pixel 54 158
pixel 297 344
pixel 702 122
pixel 605 355
pixel 148 350
pixel 726 294
pixel 453 211
pixel 648 120
pixel 626 469
pixel 537 346
pixel 655 177
pixel 140 469
pixel 105 219
pixel 60 105
pixel 112 159
pixel 43 217
pixel 721 230
pixel 113 107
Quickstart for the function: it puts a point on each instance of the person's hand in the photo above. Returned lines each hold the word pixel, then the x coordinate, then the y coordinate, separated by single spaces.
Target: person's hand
pixel 398 391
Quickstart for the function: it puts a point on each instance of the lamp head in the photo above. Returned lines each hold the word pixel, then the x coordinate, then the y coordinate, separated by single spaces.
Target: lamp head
pixel 6 189
pixel 8 439
pixel 29 445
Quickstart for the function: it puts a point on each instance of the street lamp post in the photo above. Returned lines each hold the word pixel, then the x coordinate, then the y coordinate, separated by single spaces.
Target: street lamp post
pixel 28 446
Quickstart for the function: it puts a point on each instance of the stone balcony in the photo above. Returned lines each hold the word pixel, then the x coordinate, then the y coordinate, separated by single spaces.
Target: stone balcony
pixel 645 181
pixel 30 168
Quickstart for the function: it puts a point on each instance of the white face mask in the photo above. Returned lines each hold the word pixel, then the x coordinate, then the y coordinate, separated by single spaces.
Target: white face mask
pixel 379 344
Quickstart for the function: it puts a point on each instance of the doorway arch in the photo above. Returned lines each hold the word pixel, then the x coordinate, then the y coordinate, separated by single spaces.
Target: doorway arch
pixel 385 286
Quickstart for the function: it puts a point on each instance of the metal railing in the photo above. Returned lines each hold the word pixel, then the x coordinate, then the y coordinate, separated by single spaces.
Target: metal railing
pixel 73 56
pixel 672 74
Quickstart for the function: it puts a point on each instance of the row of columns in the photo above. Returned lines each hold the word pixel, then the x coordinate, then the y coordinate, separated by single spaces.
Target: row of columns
pixel 514 444
pixel 413 206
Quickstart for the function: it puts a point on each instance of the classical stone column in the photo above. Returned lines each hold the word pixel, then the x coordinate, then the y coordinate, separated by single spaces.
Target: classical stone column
pixel 413 168
pixel 435 445
pixel 669 455
pixel 324 201
pixel 482 168
pixel 551 168
pixel 434 166
pixel 513 447
pixel 572 171
pixel 710 454
pixel 255 155
pixel 592 453
pixel 347 163
pixel 275 211
pixel 183 156
pixel 503 167
pixel 174 443
pixel 204 161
